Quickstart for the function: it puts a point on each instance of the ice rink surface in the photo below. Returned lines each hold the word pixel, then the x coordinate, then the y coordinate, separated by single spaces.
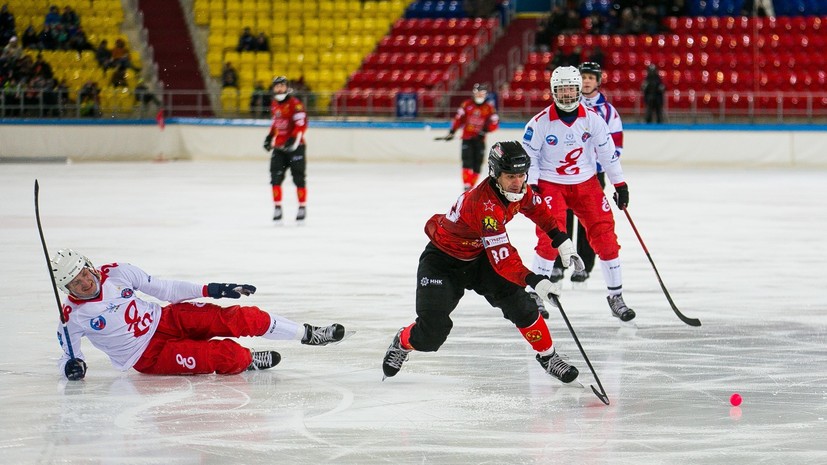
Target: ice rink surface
pixel 742 250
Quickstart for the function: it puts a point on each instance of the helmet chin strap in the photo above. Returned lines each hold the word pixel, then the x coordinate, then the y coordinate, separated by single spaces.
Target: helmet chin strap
pixel 281 97
pixel 479 100
pixel 512 196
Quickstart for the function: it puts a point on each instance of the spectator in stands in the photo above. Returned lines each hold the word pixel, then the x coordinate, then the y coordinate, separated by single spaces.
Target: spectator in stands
pixel 48 38
pixel 103 55
pixel 653 90
pixel 69 18
pixel 79 42
pixel 30 38
pixel 12 50
pixel 246 42
pixel 11 94
pixel 650 20
pixel 260 101
pixel 631 21
pixel 41 68
pixel 118 78
pixel 262 44
pixel 52 17
pixel 144 96
pixel 229 76
pixel 7 25
pixel 120 55
pixel 89 100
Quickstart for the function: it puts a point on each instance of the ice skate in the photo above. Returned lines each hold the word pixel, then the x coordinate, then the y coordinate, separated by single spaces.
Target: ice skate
pixel 277 214
pixel 394 357
pixel 557 367
pixel 619 308
pixel 579 276
pixel 264 359
pixel 301 214
pixel 556 274
pixel 323 335
pixel 541 307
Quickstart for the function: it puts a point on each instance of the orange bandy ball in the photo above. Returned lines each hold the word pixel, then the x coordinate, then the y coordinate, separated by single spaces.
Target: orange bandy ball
pixel 735 400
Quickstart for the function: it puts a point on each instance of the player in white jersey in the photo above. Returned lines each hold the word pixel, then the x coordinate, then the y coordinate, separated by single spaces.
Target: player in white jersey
pixel 592 74
pixel 565 141
pixel 103 305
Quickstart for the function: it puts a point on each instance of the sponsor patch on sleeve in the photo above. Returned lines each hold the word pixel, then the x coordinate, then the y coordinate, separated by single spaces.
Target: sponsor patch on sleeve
pixel 529 133
pixel 494 241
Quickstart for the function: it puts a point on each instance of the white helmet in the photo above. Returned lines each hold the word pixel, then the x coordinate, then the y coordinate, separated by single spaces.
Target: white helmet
pixel 566 76
pixel 67 265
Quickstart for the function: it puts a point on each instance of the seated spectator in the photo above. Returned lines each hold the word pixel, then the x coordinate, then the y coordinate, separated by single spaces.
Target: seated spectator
pixel 12 50
pixel 246 43
pixel 7 25
pixel 120 55
pixel 42 69
pixel 89 100
pixel 30 38
pixel 260 101
pixel 52 17
pixel 229 76
pixel 79 42
pixel 48 38
pixel 144 96
pixel 118 78
pixel 262 44
pixel 69 18
pixel 103 55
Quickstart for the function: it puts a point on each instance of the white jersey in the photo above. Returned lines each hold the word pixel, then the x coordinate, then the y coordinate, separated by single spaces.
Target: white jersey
pixel 565 153
pixel 607 111
pixel 116 321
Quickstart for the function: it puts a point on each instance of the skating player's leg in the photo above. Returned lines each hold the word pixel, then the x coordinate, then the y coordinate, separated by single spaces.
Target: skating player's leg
pixel 298 167
pixel 278 166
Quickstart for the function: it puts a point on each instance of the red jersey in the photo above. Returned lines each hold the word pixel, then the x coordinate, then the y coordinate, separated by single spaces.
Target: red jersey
pixel 289 120
pixel 476 224
pixel 475 119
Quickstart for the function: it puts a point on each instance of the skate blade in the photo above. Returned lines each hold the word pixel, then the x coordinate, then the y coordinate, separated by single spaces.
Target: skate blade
pixel 579 286
pixel 348 333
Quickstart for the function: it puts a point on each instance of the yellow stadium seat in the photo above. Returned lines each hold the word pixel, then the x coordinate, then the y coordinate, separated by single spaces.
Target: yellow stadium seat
pixel 311 42
pixel 232 57
pixel 235 24
pixel 264 24
pixel 354 8
pixel 247 59
pixel 232 7
pixel 280 59
pixel 356 25
pixel 296 41
pixel 262 60
pixel 202 17
pixel 311 25
pixel 310 59
pixel 278 42
pixel 218 24
pixel 340 23
pixel 279 27
pixel 326 43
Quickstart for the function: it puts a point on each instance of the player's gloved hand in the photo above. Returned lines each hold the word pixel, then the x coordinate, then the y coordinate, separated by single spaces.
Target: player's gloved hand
pixel 75 369
pixel 289 145
pixel 268 143
pixel 569 257
pixel 450 136
pixel 545 288
pixel 232 291
pixel 621 195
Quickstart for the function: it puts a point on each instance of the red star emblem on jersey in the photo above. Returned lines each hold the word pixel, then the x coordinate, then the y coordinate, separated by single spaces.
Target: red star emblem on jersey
pixel 489 205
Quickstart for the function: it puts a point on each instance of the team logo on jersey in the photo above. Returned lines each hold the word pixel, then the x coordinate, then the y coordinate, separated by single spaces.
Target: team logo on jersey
pixel 489 223
pixel 186 362
pixel 98 323
pixel 489 205
pixel 426 281
pixel 551 139
pixel 569 138
pixel 127 293
pixel 533 336
pixel 529 133
pixel 586 136
pixel 605 206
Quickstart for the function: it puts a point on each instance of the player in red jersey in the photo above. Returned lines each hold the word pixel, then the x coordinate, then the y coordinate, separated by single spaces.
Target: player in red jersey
pixel 477 117
pixel 470 249
pixel 286 142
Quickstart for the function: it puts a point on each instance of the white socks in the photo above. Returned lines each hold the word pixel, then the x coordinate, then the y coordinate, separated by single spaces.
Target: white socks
pixel 283 329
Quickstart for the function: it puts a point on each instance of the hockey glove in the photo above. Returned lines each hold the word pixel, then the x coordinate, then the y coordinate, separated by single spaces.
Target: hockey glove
pixel 268 143
pixel 621 195
pixel 544 287
pixel 289 145
pixel 569 257
pixel 75 369
pixel 450 136
pixel 232 291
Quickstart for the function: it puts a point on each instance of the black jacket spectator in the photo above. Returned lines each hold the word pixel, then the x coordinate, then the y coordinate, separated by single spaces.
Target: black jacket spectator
pixel 246 43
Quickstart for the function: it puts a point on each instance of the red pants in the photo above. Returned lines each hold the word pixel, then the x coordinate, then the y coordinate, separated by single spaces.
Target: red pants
pixel 183 342
pixel 590 205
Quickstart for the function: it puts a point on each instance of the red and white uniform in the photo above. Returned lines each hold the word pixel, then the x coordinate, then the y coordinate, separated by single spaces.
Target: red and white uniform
pixel 116 321
pixel 289 121
pixel 563 166
pixel 476 224
pixel 607 111
pixel 475 119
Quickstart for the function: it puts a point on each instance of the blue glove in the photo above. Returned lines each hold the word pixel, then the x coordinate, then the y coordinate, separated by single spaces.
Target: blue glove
pixel 75 369
pixel 232 291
